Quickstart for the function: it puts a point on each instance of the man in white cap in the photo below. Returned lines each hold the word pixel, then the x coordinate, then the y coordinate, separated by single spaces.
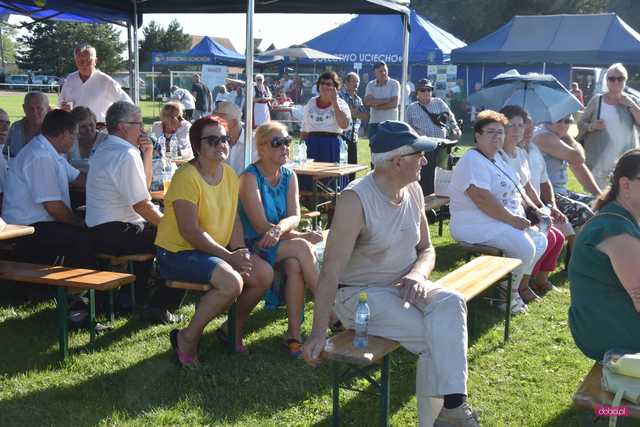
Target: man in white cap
pixel 186 99
pixel 379 243
pixel 232 114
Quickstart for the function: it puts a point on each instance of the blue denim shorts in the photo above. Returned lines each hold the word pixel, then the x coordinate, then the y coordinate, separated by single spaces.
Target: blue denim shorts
pixel 187 266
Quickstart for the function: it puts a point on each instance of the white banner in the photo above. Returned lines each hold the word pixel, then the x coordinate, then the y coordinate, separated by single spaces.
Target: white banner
pixel 214 75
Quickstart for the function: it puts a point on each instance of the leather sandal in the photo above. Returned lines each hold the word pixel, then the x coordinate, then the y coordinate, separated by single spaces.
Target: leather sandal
pixel 184 359
pixel 528 295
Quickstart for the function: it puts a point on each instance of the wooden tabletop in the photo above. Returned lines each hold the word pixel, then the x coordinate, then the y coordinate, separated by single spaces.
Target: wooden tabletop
pixel 323 169
pixel 340 348
pixel 12 231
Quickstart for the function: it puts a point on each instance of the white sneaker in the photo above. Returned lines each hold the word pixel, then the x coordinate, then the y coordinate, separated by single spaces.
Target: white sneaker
pixel 462 416
pixel 517 305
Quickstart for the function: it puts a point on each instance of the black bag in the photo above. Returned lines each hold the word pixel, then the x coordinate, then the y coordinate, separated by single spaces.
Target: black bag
pixel 439 120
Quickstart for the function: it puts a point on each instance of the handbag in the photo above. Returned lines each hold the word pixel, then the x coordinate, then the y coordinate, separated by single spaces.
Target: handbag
pixel 621 376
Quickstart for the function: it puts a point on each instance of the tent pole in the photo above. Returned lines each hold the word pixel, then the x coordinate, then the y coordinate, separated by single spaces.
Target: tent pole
pixel 130 53
pixel 405 63
pixel 153 87
pixel 248 99
pixel 544 68
pixel 136 55
pixel 467 79
pixel 482 79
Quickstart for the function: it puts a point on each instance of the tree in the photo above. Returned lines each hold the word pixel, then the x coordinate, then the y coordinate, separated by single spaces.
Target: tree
pixel 49 45
pixel 157 39
pixel 8 52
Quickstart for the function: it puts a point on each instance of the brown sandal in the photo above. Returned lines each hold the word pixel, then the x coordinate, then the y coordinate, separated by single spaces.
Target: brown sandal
pixel 528 295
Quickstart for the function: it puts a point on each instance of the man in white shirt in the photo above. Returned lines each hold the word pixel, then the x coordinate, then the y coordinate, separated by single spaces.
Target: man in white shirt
pixel 4 132
pixel 232 115
pixel 382 96
pixel 90 87
pixel 120 214
pixel 37 194
pixel 35 107
pixel 186 99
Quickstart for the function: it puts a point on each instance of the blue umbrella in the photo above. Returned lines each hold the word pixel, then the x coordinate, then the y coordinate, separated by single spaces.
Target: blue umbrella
pixel 541 95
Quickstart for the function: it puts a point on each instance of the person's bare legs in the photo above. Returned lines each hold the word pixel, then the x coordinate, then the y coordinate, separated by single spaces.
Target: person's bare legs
pixel 226 286
pixel 255 286
pixel 294 297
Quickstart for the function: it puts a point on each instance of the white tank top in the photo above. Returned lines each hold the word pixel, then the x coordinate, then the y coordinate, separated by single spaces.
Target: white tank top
pixel 385 249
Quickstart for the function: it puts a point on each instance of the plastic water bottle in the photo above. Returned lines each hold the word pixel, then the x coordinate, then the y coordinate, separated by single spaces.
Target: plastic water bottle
pixel 361 339
pixel 302 153
pixel 344 152
pixel 173 147
pixel 294 150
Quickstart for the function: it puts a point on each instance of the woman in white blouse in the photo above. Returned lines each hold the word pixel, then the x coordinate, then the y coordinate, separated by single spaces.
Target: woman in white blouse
pixel 325 117
pixel 487 205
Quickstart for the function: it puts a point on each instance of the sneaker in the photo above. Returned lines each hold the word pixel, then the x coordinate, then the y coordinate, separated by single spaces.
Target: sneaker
pixel 462 416
pixel 517 306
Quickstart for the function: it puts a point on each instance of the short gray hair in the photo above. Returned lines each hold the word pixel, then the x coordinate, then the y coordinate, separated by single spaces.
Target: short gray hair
pixel 350 76
pixel 119 112
pixel 379 159
pixel 33 95
pixel 83 48
pixel 619 68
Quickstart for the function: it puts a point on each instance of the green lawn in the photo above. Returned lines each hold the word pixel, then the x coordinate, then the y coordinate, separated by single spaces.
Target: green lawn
pixel 130 378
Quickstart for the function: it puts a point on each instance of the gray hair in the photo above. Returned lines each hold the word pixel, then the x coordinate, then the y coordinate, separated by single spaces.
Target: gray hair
pixel 379 159
pixel 119 112
pixel 258 76
pixel 31 96
pixel 84 47
pixel 350 76
pixel 619 68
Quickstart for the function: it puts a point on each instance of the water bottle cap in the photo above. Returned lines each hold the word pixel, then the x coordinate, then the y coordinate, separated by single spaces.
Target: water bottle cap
pixel 363 296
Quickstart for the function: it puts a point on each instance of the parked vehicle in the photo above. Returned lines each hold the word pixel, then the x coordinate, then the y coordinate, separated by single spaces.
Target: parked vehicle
pixel 45 83
pixel 16 81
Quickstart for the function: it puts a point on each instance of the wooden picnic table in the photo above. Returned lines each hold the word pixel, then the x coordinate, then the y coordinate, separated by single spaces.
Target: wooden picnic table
pixel 324 170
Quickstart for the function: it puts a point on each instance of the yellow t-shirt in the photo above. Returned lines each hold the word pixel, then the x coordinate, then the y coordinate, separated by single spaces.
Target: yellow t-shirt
pixel 216 207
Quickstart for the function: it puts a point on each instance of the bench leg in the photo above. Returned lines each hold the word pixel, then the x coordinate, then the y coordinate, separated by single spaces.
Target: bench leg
pixel 132 288
pixel 507 320
pixel 63 315
pixel 231 326
pixel 92 315
pixel 111 306
pixel 385 392
pixel 335 418
pixel 440 224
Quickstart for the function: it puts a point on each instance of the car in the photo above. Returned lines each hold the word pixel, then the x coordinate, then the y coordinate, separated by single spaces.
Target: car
pixel 18 81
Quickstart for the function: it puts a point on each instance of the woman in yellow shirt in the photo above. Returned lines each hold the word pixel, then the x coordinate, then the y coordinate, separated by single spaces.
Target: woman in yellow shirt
pixel 200 239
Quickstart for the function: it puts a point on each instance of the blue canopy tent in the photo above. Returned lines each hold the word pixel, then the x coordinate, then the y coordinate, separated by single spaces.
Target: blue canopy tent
pixel 368 39
pixel 550 44
pixel 63 10
pixel 207 51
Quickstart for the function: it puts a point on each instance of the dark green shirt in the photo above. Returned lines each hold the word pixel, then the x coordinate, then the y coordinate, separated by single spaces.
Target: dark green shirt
pixel 601 315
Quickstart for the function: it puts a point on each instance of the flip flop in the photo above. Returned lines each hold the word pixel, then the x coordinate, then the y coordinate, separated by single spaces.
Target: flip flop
pixel 184 359
pixel 295 347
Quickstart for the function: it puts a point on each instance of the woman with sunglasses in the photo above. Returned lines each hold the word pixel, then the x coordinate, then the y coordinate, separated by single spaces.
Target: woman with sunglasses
pixel 609 124
pixel 487 204
pixel 270 212
pixel 200 240
pixel 604 269
pixel 325 117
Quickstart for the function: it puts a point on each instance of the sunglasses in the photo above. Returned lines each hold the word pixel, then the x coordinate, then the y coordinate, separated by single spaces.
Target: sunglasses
pixel 215 140
pixel 279 141
pixel 614 78
pixel 425 89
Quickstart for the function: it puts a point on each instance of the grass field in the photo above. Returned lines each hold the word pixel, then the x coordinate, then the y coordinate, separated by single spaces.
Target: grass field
pixel 130 379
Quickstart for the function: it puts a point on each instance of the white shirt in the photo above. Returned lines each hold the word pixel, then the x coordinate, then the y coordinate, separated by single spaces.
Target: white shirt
pixel 468 222
pixel 38 174
pixel 236 154
pixel 4 170
pixel 519 164
pixel 387 90
pixel 185 97
pixel 316 119
pixel 537 166
pixel 115 183
pixel 97 93
pixel 182 137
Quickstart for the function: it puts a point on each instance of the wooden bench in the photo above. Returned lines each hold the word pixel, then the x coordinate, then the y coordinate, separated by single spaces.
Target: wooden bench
pixel 205 287
pixel 590 395
pixel 122 263
pixel 66 278
pixel 470 280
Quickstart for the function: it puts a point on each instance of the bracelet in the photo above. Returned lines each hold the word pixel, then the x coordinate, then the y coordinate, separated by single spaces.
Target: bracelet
pixel 238 248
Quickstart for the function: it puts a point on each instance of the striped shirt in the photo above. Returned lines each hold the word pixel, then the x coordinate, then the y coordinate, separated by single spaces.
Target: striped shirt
pixel 420 121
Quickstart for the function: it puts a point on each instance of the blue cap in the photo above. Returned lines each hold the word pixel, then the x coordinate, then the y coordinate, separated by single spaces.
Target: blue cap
pixel 392 134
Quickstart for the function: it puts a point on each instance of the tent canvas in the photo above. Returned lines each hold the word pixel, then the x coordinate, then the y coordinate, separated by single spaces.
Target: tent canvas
pixel 207 51
pixel 372 38
pixel 597 39
pixel 64 10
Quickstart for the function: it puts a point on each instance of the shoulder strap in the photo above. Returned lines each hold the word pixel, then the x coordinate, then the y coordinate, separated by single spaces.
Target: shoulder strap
pixel 432 117
pixel 599 107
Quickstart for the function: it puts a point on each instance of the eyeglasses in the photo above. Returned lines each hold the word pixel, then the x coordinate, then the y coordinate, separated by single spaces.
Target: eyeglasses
pixel 616 78
pixel 5 123
pixel 515 126
pixel 215 140
pixel 141 124
pixel 492 132
pixel 279 141
pixel 425 89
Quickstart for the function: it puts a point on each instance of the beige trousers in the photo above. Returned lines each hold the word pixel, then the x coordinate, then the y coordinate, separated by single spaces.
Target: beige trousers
pixel 435 329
